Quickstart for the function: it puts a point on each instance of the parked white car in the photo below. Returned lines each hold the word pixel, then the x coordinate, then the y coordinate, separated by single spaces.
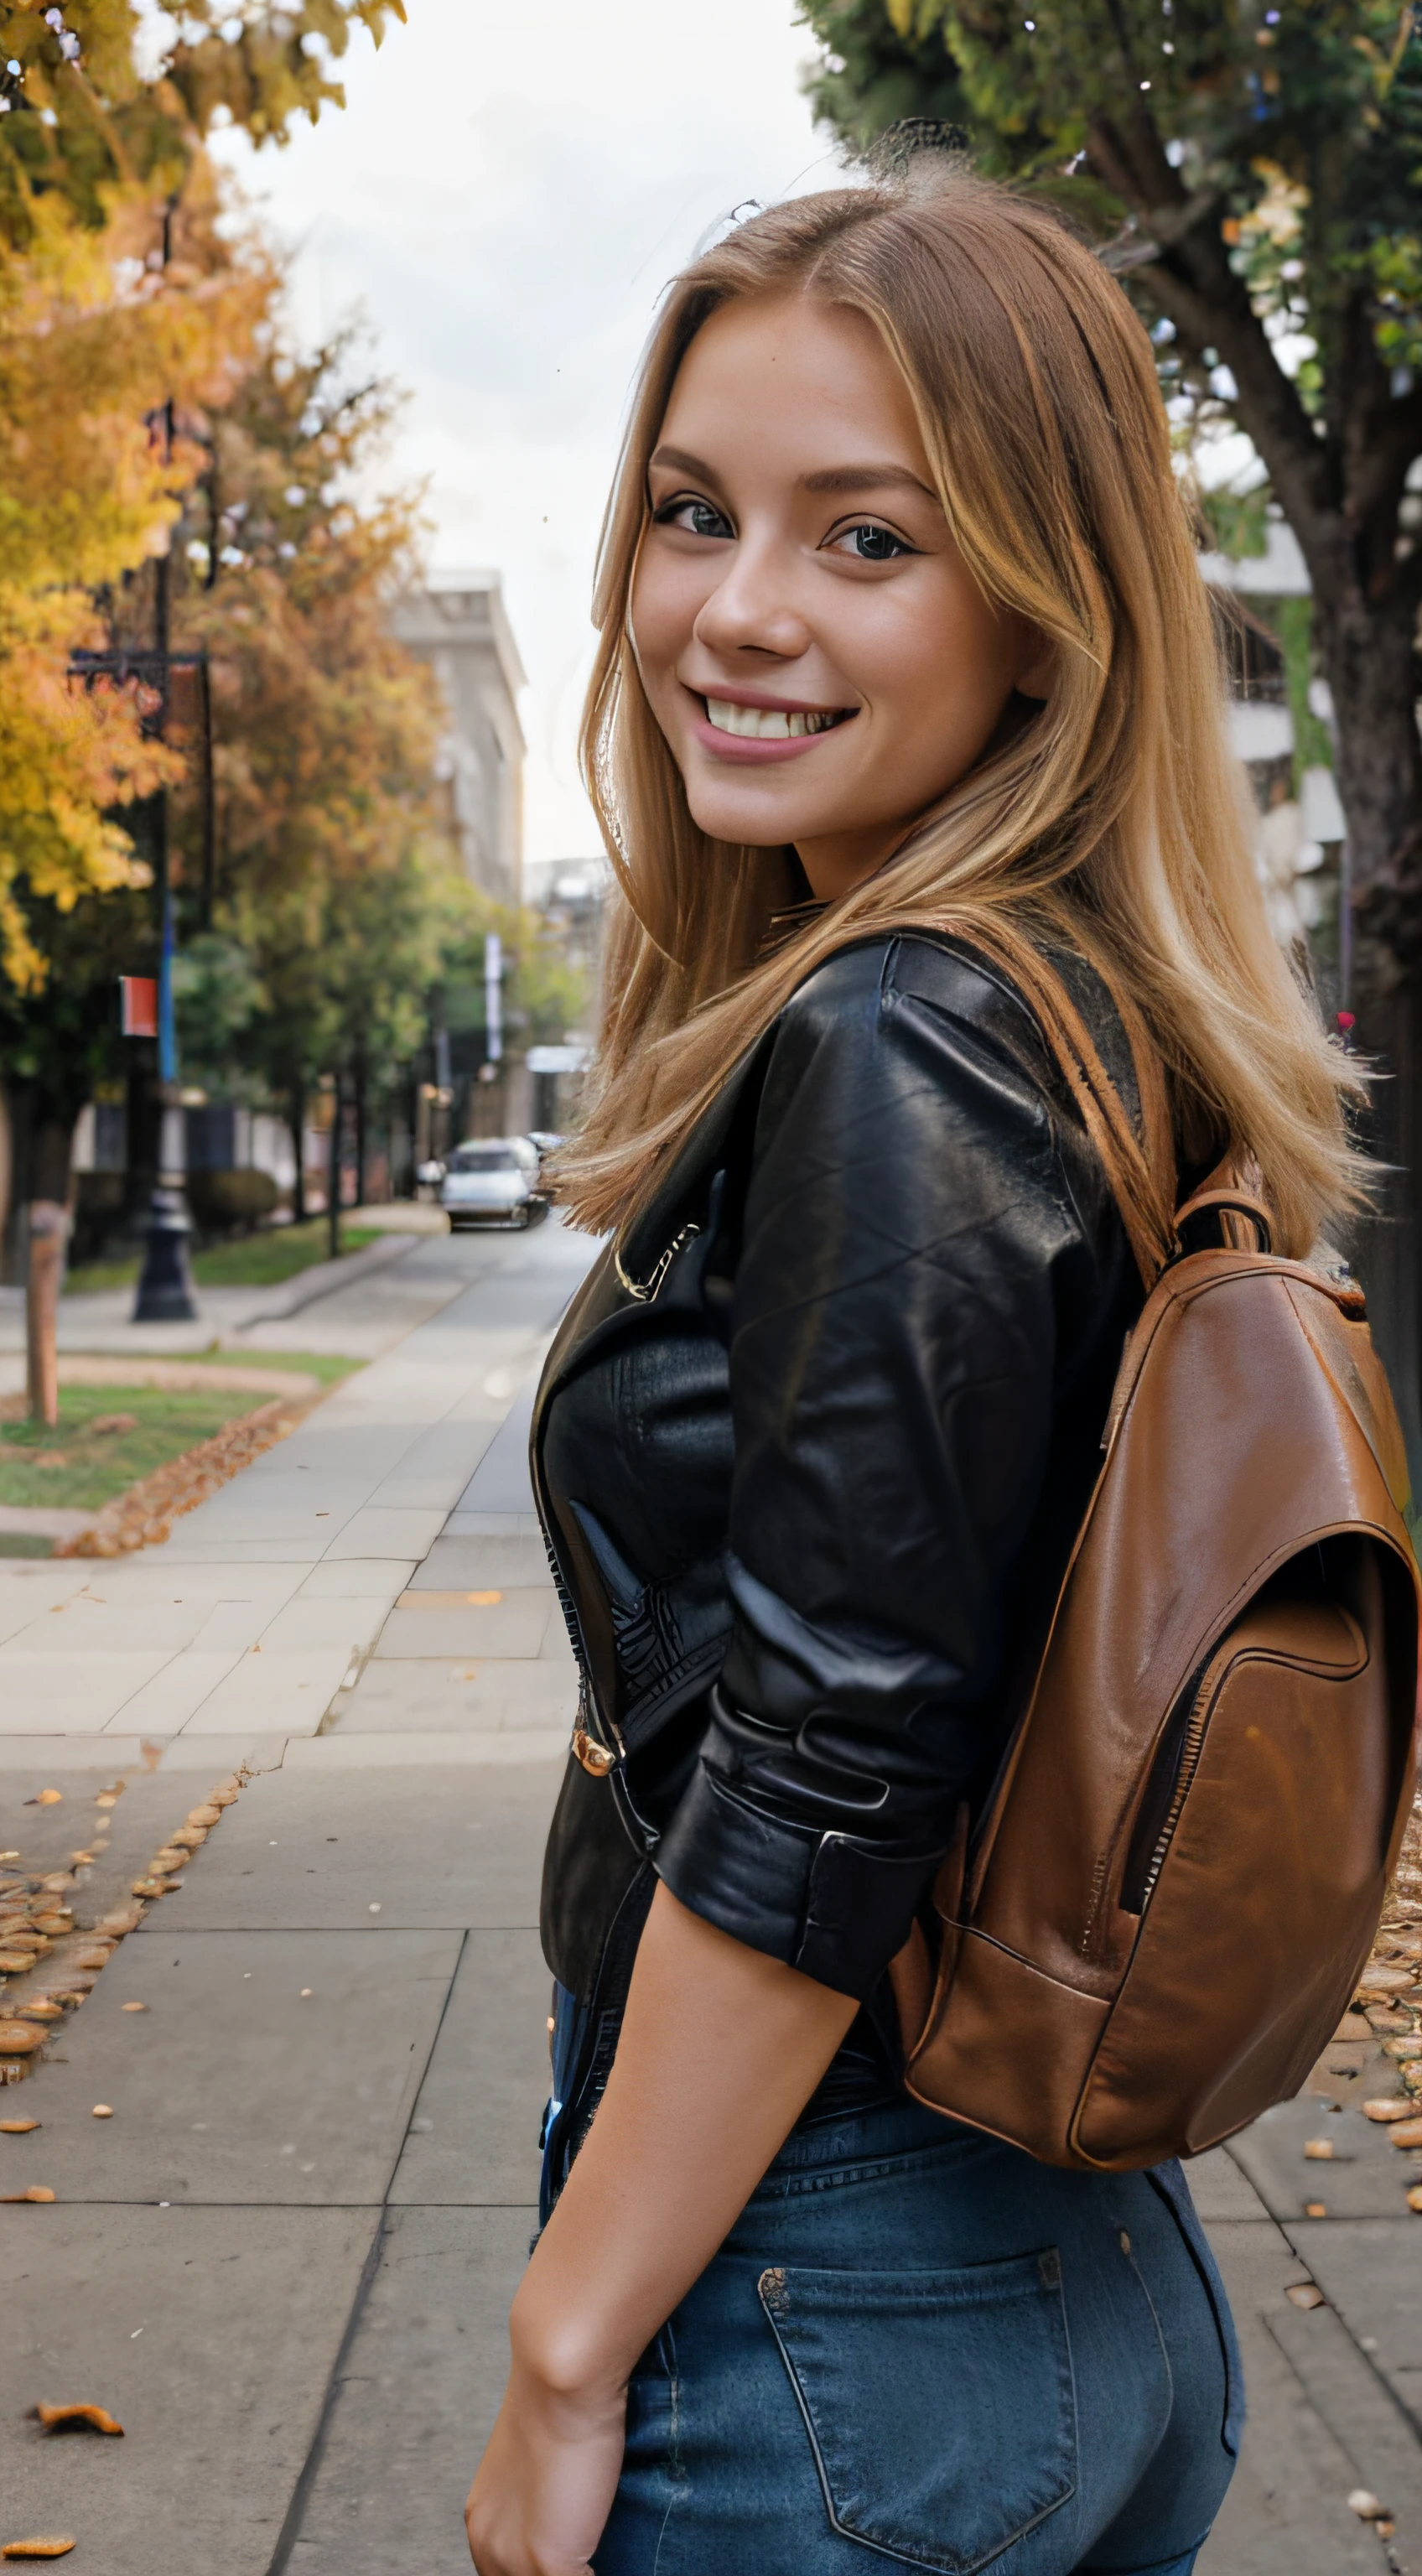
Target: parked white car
pixel 492 1180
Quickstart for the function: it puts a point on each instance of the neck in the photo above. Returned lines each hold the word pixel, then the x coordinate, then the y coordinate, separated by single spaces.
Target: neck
pixel 840 861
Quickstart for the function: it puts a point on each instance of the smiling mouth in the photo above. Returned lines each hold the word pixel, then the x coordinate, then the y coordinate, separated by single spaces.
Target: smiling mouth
pixel 772 724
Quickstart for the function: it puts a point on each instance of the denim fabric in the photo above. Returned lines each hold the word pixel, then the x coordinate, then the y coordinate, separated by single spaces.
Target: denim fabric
pixel 918 2348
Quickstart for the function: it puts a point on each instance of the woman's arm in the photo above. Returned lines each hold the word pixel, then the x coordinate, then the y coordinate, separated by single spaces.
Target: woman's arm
pixel 720 2049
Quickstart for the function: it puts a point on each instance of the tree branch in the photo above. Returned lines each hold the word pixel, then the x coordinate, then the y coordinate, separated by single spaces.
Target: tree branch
pixel 1190 278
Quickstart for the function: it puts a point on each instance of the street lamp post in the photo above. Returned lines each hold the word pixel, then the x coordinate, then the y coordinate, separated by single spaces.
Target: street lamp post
pixel 165 1289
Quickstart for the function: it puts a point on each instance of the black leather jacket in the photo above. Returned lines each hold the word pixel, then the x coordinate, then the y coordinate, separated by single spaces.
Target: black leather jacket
pixel 810 1457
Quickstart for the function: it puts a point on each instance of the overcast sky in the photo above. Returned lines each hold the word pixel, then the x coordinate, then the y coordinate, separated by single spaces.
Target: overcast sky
pixel 510 186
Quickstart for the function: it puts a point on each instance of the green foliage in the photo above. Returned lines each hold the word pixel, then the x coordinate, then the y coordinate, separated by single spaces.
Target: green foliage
pixel 216 997
pixel 1236 523
pixel 231 1202
pixel 64 1040
pixel 1313 747
pixel 1297 131
pixel 334 883
pixel 90 118
pixel 870 75
pixel 1252 171
pixel 543 995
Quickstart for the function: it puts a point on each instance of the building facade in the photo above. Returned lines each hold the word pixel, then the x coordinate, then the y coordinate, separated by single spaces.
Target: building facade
pixel 458 624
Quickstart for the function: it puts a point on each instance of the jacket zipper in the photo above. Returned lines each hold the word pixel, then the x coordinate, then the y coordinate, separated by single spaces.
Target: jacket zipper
pixel 587 1700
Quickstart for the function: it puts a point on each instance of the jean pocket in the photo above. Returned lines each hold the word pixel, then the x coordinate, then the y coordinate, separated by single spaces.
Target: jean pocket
pixel 940 2405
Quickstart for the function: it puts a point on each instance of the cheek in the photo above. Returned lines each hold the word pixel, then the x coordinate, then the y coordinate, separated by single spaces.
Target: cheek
pixel 942 661
pixel 667 597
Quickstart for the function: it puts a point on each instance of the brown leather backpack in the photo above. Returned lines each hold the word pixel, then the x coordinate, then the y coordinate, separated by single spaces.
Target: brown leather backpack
pixel 1176 1882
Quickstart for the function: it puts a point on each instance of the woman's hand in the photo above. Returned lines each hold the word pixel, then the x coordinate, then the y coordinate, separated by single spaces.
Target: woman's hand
pixel 546 2482
pixel 720 2050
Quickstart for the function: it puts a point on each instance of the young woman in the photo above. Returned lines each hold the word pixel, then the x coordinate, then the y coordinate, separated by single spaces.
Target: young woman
pixel 905 657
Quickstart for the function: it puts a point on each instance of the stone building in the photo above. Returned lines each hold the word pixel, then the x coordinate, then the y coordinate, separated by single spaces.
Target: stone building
pixel 459 625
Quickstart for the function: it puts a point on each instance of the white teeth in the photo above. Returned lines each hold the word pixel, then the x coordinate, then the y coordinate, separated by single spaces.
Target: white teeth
pixel 766 724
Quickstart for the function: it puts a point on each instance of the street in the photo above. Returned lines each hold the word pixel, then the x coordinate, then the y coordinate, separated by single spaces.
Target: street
pixel 283 2262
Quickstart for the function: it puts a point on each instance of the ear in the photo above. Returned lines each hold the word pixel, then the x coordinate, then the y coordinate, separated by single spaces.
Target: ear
pixel 1037 673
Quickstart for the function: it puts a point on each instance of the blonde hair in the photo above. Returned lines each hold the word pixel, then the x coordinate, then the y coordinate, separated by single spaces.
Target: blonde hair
pixel 1116 820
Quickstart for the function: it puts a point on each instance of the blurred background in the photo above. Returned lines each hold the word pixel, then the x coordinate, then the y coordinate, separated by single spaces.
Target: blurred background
pixel 316 327
pixel 317 324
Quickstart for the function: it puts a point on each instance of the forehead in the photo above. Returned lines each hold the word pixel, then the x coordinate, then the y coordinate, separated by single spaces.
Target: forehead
pixel 790 375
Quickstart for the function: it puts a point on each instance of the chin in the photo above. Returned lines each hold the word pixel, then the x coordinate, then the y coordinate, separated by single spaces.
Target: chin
pixel 755 822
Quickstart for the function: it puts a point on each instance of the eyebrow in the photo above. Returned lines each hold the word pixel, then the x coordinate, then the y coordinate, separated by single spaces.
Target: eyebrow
pixel 831 478
pixel 866 478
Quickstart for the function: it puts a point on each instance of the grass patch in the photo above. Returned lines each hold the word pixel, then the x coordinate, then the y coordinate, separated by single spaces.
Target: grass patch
pixel 82 1465
pixel 255 1261
pixel 329 1366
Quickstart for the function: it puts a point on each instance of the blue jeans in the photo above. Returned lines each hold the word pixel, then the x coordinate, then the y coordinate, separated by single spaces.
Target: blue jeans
pixel 920 2349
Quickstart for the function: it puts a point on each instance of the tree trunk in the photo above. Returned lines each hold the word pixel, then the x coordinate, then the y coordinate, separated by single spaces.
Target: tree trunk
pixel 1367 653
pixel 361 1127
pixel 49 1221
pixel 296 1120
pixel 333 1175
pixel 52 1146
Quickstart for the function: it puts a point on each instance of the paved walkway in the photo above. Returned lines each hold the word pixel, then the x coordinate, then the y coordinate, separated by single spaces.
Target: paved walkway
pixel 284 2263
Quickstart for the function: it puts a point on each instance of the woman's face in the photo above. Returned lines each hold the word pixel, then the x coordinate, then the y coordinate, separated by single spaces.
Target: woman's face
pixel 810 640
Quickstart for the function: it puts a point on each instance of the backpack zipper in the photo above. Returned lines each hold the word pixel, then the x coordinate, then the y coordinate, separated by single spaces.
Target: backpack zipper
pixel 1189 1757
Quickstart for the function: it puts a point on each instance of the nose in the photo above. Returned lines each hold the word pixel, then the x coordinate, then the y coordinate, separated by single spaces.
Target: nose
pixel 752 609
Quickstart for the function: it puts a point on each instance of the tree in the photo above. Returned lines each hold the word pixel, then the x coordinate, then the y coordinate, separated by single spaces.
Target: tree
pixel 1253 173
pixel 100 332
pixel 110 348
pixel 334 869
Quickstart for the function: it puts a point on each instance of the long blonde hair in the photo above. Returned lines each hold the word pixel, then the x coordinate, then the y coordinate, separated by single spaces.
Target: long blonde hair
pixel 1116 820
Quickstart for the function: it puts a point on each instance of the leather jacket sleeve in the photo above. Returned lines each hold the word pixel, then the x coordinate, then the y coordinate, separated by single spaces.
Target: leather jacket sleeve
pixel 929 1267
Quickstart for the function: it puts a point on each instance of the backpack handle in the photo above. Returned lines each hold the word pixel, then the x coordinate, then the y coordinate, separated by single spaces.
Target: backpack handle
pixel 1220 1203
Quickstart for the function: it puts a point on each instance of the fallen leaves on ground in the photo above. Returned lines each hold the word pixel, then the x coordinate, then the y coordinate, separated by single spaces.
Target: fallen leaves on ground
pixel 145 1514
pixel 33 1917
pixel 75 2419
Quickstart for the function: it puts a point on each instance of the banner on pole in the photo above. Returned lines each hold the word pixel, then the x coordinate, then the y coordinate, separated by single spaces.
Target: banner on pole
pixel 138 1006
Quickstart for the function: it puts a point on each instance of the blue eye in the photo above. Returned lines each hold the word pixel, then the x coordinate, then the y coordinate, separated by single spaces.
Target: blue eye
pixel 697 518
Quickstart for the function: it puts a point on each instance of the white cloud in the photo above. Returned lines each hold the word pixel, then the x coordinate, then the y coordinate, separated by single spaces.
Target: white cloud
pixel 505 195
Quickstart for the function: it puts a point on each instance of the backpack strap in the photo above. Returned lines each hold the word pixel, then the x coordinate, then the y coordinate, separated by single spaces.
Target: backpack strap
pixel 1141 1175
pixel 1223 1200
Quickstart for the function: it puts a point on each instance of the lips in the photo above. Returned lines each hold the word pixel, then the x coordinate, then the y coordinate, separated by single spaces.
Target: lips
pixel 772 724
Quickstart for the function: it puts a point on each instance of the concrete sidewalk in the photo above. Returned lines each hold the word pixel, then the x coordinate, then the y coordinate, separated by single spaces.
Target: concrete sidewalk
pixel 240 1631
pixel 285 2262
